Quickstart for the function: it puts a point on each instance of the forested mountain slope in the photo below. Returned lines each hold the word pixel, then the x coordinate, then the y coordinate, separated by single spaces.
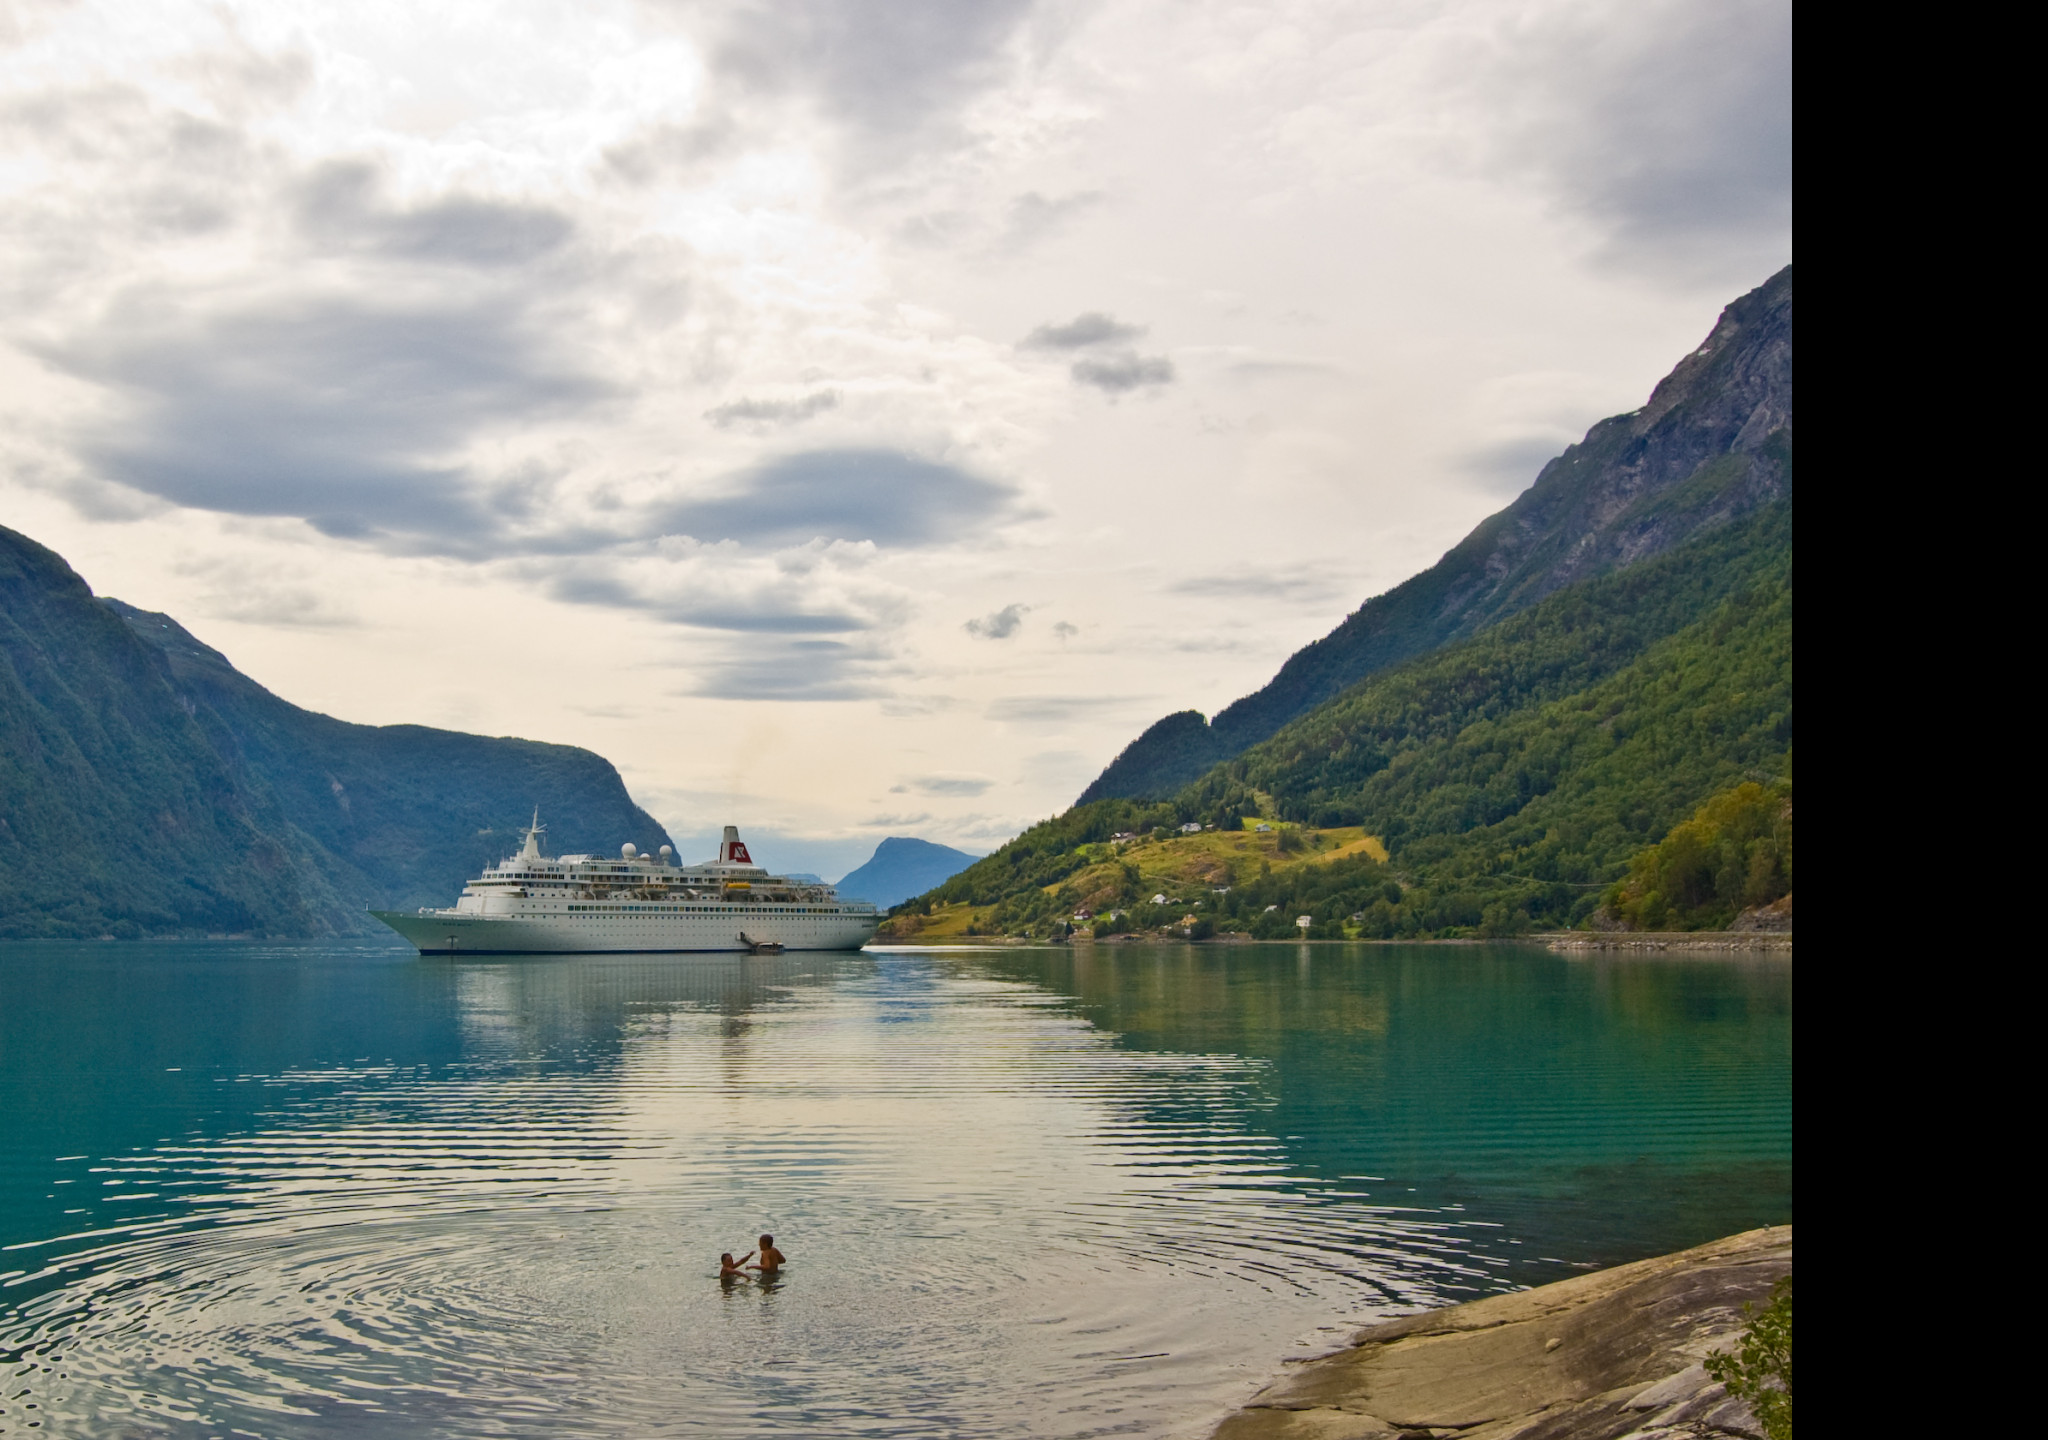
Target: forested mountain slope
pixel 1713 444
pixel 148 787
pixel 1512 776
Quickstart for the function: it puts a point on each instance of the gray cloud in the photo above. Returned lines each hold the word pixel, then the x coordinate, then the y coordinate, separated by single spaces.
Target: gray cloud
pixel 792 670
pixel 337 411
pixel 896 822
pixel 891 71
pixel 954 785
pixel 288 606
pixel 180 174
pixel 1001 625
pixel 767 413
pixel 1117 374
pixel 780 610
pixel 1305 588
pixel 673 150
pixel 1092 328
pixel 1065 630
pixel 1668 124
pixel 902 706
pixel 264 594
pixel 341 206
pixel 1048 709
pixel 878 495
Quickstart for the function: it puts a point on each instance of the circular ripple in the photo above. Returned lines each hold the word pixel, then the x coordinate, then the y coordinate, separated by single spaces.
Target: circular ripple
pixel 1001 1223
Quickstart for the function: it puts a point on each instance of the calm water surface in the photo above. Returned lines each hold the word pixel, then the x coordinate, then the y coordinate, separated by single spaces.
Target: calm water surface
pixel 338 1190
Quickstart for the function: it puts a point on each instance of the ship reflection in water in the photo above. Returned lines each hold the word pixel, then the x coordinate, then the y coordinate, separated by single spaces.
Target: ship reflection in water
pixel 330 1190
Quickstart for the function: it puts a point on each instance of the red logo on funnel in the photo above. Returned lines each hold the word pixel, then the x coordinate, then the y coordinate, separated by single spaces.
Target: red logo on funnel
pixel 739 855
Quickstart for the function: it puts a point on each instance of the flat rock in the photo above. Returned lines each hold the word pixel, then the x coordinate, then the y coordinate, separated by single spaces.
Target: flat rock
pixel 1596 1357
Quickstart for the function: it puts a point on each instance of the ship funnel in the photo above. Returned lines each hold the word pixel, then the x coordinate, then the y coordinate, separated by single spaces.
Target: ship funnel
pixel 732 850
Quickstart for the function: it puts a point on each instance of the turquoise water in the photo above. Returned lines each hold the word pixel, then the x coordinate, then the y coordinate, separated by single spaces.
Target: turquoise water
pixel 337 1190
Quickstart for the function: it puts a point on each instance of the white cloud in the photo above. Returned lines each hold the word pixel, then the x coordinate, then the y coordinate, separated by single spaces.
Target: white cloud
pixel 634 371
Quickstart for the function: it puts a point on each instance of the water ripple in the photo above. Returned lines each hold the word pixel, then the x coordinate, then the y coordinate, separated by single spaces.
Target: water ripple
pixel 1003 1221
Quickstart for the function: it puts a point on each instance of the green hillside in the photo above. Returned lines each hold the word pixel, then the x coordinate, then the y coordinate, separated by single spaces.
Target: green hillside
pixel 1712 445
pixel 1512 777
pixel 148 787
pixel 1734 854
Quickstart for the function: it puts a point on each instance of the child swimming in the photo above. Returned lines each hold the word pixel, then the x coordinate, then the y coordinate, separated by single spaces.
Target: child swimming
pixel 731 1269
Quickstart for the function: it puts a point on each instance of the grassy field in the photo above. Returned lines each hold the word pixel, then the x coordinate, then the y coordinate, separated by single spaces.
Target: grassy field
pixel 1179 867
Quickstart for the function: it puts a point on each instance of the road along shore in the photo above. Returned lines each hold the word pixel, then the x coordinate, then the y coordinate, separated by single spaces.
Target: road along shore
pixel 1615 1353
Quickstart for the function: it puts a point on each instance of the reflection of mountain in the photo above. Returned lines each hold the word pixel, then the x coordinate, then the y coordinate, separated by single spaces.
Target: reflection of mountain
pixel 147 786
pixel 903 867
pixel 1614 1110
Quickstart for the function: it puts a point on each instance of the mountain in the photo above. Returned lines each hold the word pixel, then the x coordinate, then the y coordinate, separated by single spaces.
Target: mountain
pixel 902 867
pixel 149 787
pixel 1713 444
pixel 1510 777
pixel 1616 654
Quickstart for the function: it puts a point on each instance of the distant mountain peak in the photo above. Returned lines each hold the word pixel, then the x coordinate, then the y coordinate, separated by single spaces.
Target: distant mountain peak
pixel 903 866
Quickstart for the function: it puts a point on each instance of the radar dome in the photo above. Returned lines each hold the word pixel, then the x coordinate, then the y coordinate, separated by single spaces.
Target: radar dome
pixel 666 852
pixel 629 849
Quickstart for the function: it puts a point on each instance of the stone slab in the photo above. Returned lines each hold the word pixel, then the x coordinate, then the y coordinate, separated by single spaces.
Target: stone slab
pixel 1598 1356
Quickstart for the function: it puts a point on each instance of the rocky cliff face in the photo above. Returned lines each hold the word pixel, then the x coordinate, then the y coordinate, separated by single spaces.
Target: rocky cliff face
pixel 1713 444
pixel 149 787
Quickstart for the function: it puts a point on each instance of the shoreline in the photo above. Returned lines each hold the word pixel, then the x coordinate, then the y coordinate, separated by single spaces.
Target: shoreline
pixel 1558 940
pixel 1609 1354
pixel 1668 940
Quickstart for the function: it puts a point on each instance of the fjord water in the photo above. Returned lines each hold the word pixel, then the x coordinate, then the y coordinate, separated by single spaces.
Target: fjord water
pixel 338 1190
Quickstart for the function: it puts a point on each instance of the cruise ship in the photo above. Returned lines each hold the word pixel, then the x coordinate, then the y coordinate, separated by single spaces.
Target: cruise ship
pixel 578 904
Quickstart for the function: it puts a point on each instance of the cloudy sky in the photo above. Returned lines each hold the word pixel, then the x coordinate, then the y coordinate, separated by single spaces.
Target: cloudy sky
pixel 852 417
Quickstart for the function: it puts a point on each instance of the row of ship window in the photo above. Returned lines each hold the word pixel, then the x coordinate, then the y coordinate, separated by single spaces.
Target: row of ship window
pixel 701 909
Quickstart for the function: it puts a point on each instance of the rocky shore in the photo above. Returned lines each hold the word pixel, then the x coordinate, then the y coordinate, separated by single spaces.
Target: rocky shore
pixel 1670 940
pixel 1614 1355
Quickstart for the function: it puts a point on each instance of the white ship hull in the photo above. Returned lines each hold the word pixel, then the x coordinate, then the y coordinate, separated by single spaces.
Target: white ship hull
pixel 709 928
pixel 530 904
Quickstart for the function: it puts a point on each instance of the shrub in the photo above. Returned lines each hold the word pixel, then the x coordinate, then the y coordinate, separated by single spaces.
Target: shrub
pixel 1760 1370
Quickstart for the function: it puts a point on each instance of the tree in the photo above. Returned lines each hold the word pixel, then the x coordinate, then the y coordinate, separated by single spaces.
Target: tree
pixel 1501 920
